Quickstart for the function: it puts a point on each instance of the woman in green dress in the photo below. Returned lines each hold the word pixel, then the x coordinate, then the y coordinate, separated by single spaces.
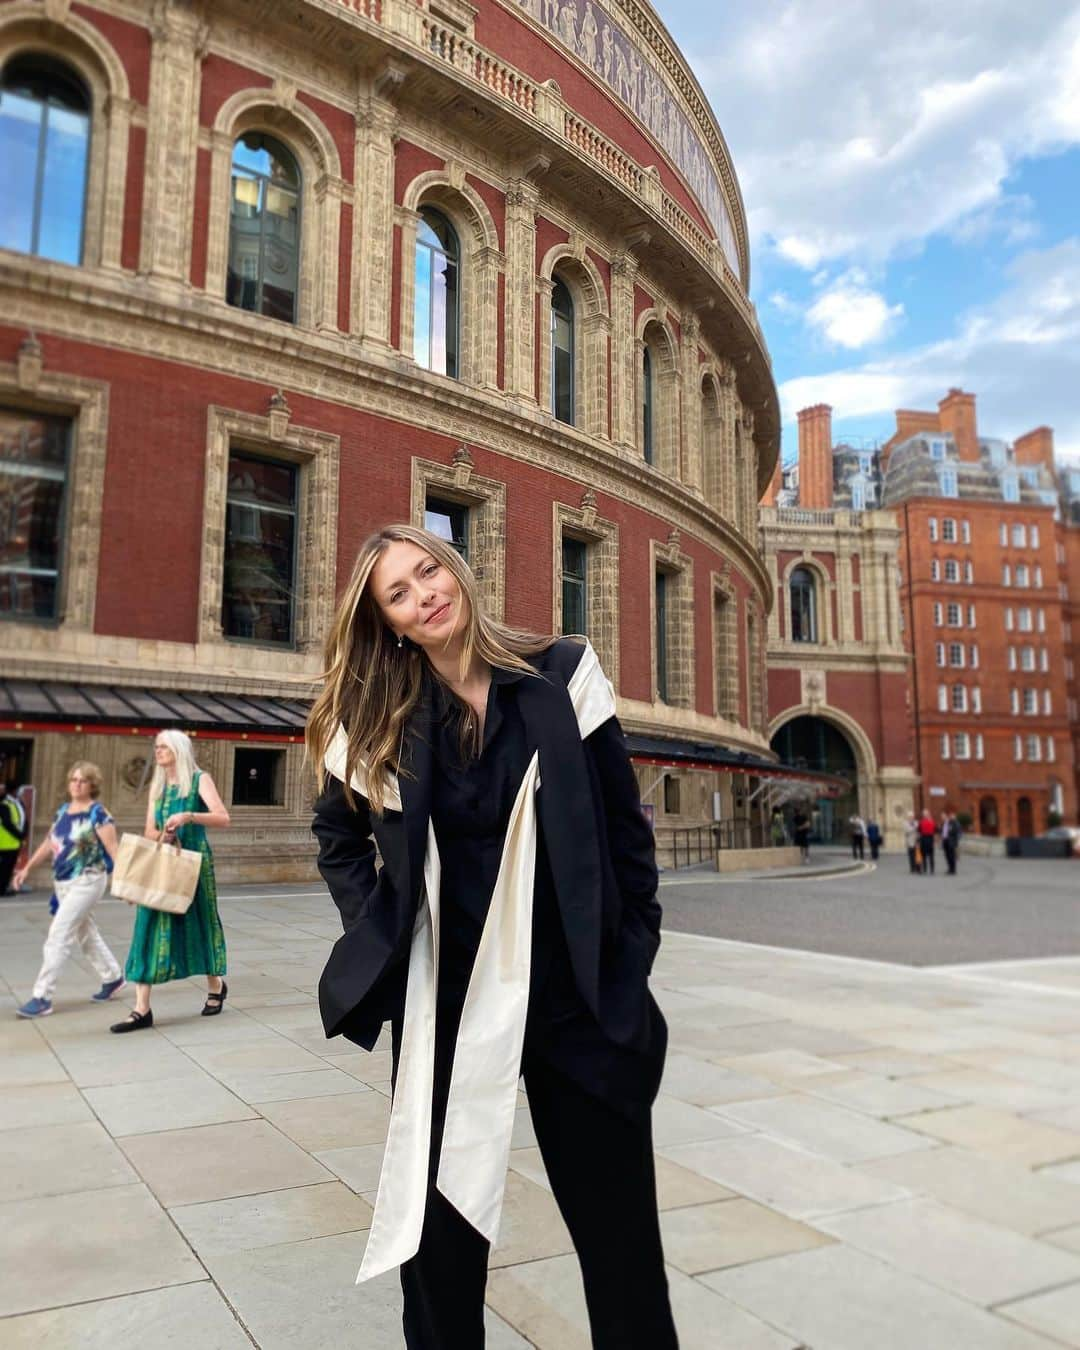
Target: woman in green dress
pixel 184 803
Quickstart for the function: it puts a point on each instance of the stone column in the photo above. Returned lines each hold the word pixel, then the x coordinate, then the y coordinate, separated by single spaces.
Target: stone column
pixel 691 470
pixel 486 264
pixel 330 193
pixel 520 354
pixel 845 595
pixel 408 223
pixel 543 287
pixel 118 113
pixel 624 270
pixel 373 222
pixel 172 141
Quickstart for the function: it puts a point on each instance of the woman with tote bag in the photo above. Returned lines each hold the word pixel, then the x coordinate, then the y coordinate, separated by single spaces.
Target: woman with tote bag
pixel 183 804
pixel 82 841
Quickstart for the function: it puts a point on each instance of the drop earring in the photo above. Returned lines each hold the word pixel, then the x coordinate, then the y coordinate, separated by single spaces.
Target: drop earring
pixel 400 641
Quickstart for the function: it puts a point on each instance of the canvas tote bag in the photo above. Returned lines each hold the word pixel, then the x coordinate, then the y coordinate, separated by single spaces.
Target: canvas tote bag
pixel 155 874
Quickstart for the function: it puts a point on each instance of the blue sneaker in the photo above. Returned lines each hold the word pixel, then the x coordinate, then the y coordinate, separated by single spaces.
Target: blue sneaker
pixel 37 1007
pixel 108 989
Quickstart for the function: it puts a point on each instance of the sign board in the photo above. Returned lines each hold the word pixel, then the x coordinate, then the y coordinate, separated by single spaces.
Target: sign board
pixel 937 792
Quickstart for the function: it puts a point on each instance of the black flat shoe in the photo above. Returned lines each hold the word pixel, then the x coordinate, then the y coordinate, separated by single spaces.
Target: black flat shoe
pixel 215 1002
pixel 135 1021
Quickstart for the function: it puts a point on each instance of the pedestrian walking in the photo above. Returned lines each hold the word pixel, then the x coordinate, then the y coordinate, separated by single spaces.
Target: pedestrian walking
pixel 184 804
pixel 873 838
pixel 950 840
pixel 911 842
pixel 12 834
pixel 82 841
pixel 927 830
pixel 857 830
pixel 510 931
pixel 800 828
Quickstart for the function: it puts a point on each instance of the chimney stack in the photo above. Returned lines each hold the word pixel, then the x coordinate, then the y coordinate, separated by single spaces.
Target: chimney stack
pixel 1036 447
pixel 956 412
pixel 776 482
pixel 815 457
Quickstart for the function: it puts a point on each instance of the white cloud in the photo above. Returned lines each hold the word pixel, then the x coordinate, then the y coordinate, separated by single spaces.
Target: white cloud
pixel 850 314
pixel 1019 354
pixel 858 129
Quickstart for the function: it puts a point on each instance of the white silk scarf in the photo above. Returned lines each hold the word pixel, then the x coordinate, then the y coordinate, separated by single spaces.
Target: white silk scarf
pixel 487 1055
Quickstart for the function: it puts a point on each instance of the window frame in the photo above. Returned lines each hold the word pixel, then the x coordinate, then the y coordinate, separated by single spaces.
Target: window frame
pixel 296 470
pixel 264 180
pixel 454 262
pixel 810 593
pixel 559 284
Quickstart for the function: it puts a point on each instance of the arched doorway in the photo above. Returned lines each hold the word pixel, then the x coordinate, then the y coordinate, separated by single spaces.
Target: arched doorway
pixel 988 815
pixel 1025 818
pixel 814 743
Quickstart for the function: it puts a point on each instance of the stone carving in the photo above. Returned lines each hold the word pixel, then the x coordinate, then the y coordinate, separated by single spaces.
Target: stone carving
pixel 280 412
pixel 28 363
pixel 464 464
pixel 612 55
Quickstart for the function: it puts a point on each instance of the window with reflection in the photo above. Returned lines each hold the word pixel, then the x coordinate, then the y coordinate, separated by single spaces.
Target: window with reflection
pixel 562 352
pixel 258 602
pixel 264 228
pixel 647 405
pixel 435 312
pixel 803 606
pixel 44 148
pixel 33 488
pixel 450 521
pixel 575 561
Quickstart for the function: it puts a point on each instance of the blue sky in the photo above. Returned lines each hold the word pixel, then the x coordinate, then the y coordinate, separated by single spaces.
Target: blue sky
pixel 911 175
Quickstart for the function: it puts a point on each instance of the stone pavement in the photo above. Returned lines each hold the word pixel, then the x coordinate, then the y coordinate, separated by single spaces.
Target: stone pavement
pixel 852 1156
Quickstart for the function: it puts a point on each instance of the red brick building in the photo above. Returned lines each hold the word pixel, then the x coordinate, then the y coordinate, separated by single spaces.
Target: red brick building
pixel 295 270
pixel 838 674
pixel 984 591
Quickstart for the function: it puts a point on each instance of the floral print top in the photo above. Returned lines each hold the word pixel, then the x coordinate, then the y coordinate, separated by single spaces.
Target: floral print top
pixel 75 843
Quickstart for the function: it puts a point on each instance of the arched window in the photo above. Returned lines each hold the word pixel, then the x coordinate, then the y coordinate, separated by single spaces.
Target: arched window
pixel 803 606
pixel 44 144
pixel 562 351
pixel 264 228
pixel 647 406
pixel 435 314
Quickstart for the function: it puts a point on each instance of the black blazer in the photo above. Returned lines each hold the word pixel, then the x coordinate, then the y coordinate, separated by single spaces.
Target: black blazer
pixel 599 846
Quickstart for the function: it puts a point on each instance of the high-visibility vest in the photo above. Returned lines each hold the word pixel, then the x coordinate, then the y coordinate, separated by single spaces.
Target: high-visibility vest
pixel 9 816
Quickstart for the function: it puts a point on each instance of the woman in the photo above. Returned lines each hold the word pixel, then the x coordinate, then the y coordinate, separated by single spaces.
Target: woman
pixel 911 843
pixel 184 804
pixel 82 841
pixel 801 832
pixel 509 931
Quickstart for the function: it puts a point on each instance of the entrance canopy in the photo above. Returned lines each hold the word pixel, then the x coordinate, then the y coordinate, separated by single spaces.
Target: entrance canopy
pixel 786 781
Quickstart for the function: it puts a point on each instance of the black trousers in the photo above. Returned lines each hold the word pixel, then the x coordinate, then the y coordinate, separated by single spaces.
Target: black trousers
pixel 949 849
pixel 927 845
pixel 600 1165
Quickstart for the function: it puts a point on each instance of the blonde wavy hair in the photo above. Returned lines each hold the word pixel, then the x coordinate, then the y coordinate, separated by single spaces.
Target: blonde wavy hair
pixel 372 685
pixel 91 773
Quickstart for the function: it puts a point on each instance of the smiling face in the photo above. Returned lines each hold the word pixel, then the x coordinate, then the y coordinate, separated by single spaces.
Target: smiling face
pixel 418 598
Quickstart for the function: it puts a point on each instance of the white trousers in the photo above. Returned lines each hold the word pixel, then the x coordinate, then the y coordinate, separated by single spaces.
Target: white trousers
pixel 73 926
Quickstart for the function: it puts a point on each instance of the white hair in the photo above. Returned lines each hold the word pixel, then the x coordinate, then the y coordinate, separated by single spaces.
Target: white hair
pixel 181 746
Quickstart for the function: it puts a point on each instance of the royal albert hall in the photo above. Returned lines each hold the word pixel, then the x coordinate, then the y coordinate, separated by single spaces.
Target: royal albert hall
pixel 275 272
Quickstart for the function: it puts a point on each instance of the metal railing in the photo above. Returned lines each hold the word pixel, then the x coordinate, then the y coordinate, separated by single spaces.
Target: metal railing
pixel 691 844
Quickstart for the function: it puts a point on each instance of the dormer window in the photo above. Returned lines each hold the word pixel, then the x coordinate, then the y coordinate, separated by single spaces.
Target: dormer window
pixel 937 448
pixel 947 482
pixel 1010 487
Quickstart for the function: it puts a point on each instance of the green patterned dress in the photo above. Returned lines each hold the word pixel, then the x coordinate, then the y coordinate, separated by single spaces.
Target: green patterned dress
pixel 173 946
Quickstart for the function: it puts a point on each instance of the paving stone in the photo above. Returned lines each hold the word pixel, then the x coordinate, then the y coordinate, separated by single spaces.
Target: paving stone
pixel 787 1179
pixel 30 1064
pixel 531 1227
pixel 65 1249
pixel 697 1081
pixel 164 1319
pixel 256 1086
pixel 783 1066
pixel 41 1104
pixel 889 1063
pixel 358 1168
pixel 826 1129
pixel 320 1123
pixel 275 1053
pixel 834 1298
pixel 729 1233
pixel 997 1133
pixel 102 1061
pixel 675 1186
pixel 880 1097
pixel 676 1122
pixel 211 1162
pixel 978 1260
pixel 983 1087
pixel 56 1159
pixel 1056 1313
pixel 1001 1192
pixel 545 1302
pixel 273 1217
pixel 166 1104
pixel 303 1296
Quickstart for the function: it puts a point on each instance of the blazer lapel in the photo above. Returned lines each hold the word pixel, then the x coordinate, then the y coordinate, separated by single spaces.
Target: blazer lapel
pixel 565 811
